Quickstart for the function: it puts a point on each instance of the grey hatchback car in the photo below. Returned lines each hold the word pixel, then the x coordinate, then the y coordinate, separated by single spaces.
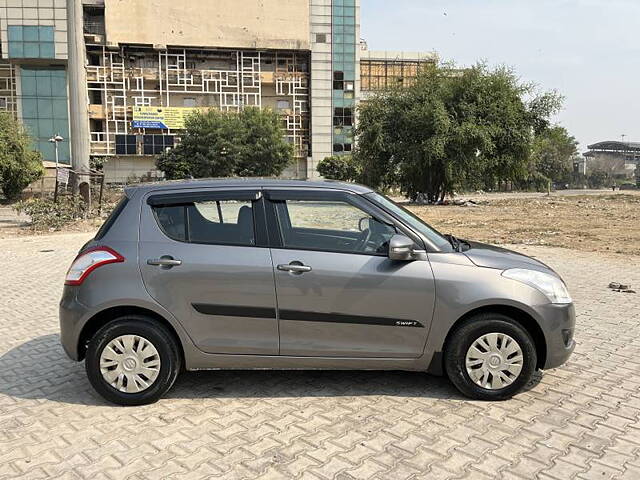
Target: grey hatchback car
pixel 243 274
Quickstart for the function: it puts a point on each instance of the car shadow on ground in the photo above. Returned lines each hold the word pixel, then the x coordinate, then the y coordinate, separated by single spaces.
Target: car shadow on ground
pixel 40 370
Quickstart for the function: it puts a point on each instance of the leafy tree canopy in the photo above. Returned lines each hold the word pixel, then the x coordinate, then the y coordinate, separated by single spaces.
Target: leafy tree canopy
pixel 451 128
pixel 225 144
pixel 19 163
pixel 554 151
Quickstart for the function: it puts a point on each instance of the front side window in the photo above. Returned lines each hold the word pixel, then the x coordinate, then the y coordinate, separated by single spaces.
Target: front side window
pixel 333 226
pixel 412 220
pixel 220 222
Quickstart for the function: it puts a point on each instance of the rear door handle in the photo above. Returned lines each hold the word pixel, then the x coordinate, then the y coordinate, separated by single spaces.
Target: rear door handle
pixel 296 267
pixel 165 262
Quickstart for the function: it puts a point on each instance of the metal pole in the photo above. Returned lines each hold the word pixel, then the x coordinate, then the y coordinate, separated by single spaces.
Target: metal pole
pixel 55 193
pixel 100 198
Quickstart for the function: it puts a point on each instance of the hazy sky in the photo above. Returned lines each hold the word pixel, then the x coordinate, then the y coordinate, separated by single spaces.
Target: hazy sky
pixel 587 50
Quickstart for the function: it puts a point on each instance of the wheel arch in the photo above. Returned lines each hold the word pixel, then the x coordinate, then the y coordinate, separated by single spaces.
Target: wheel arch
pixel 524 319
pixel 102 318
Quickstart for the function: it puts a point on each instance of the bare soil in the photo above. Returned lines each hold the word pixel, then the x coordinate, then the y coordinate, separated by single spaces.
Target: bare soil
pixel 594 223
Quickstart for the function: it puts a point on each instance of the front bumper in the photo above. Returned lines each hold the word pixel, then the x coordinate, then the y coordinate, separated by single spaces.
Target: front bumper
pixel 558 324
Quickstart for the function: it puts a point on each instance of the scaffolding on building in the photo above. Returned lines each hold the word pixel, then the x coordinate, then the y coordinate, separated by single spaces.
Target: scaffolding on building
pixel 109 80
pixel 8 92
pixel 227 80
pixel 384 70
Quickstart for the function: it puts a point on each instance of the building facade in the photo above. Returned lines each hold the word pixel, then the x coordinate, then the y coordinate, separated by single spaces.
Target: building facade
pixel 33 69
pixel 142 67
pixel 619 159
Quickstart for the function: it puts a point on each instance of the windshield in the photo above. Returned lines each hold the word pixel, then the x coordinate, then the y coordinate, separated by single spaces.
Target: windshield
pixel 412 220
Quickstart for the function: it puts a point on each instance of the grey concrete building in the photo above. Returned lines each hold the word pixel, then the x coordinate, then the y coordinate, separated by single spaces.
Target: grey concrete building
pixel 124 75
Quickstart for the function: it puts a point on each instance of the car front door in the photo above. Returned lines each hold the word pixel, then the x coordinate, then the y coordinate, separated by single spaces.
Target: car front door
pixel 204 257
pixel 339 295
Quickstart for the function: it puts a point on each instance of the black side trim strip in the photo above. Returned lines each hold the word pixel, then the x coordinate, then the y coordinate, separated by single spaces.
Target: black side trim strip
pixel 297 315
pixel 300 316
pixel 307 194
pixel 233 311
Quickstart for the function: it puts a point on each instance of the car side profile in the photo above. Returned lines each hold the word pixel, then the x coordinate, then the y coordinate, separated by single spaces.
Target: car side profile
pixel 243 274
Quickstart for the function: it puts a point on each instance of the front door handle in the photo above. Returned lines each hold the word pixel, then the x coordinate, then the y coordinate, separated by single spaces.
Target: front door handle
pixel 164 262
pixel 295 267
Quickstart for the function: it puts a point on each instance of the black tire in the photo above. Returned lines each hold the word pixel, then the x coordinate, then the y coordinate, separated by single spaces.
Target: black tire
pixel 154 332
pixel 471 330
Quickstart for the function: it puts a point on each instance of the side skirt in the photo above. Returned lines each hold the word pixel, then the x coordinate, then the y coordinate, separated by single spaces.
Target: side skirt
pixel 197 360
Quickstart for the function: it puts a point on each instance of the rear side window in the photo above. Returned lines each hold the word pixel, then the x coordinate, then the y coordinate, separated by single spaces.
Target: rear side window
pixel 111 219
pixel 172 220
pixel 221 222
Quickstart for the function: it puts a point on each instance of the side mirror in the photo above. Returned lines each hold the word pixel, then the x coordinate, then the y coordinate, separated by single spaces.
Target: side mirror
pixel 401 248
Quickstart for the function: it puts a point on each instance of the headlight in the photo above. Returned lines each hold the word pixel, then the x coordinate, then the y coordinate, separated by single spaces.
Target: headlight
pixel 553 288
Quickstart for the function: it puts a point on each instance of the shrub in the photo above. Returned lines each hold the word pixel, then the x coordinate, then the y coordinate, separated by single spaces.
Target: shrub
pixel 47 215
pixel 225 144
pixel 597 179
pixel 339 167
pixel 19 164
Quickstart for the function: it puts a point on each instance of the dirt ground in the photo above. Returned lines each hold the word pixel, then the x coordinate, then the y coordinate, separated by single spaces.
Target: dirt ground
pixel 593 221
pixel 13 225
pixel 601 222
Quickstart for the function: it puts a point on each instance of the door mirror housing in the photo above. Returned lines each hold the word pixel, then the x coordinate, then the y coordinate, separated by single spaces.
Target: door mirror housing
pixel 401 248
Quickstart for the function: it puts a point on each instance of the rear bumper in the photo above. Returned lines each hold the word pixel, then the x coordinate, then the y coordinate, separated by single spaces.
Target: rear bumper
pixel 70 313
pixel 558 323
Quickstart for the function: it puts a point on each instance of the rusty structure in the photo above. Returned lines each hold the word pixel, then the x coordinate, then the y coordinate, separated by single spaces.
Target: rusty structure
pixel 383 70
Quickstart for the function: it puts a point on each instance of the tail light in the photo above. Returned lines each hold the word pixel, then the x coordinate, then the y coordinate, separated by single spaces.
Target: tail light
pixel 88 261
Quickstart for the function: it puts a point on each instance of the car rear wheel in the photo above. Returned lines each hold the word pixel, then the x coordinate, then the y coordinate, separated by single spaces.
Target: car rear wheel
pixel 490 357
pixel 132 361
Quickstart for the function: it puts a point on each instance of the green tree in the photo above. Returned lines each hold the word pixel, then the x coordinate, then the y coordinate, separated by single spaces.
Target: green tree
pixel 19 163
pixel 263 150
pixel 598 179
pixel 554 151
pixel 226 144
pixel 339 167
pixel 452 128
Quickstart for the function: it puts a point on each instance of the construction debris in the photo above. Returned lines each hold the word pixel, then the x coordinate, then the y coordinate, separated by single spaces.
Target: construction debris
pixel 621 287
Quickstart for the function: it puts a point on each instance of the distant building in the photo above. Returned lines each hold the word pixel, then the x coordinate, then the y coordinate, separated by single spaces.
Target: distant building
pixel 125 74
pixel 380 70
pixel 619 159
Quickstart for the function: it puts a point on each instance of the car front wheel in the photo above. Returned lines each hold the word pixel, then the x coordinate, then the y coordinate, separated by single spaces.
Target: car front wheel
pixel 490 357
pixel 132 361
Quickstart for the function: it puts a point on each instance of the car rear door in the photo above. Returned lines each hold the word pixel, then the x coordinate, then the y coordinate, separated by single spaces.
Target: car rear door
pixel 339 295
pixel 204 257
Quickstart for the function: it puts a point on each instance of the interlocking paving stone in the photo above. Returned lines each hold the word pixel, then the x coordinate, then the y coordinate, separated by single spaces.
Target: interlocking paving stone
pixel 576 422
